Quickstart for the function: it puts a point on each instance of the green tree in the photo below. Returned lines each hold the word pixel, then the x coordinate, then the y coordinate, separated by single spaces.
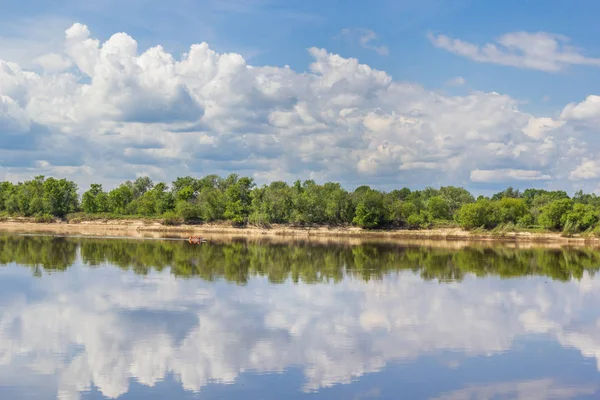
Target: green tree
pixel 482 213
pixel 7 189
pixel 455 197
pixel 141 185
pixel 94 200
pixel 238 199
pixel 211 203
pixel 512 210
pixel 120 198
pixel 582 216
pixel 370 210
pixel 508 193
pixel 60 197
pixel 554 214
pixel 438 207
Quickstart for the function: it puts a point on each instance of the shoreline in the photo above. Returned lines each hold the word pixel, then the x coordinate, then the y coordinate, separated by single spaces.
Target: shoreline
pixel 145 228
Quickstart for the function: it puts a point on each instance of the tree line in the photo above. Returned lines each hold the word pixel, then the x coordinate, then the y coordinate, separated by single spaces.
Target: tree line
pixel 240 201
pixel 239 261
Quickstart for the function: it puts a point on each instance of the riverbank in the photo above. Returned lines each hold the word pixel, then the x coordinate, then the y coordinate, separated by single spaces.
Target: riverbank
pixel 140 227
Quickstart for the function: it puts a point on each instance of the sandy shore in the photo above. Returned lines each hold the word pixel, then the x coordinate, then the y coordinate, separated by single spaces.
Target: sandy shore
pixel 147 228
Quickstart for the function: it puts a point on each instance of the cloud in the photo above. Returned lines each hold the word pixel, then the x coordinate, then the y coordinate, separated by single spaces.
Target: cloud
pixel 458 81
pixel 539 389
pixel 589 109
pixel 507 175
pixel 537 128
pixel 538 50
pixel 588 169
pixel 364 37
pixel 53 62
pixel 124 110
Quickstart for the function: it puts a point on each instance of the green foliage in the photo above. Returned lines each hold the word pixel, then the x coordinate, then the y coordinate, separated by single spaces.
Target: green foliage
pixel 56 197
pixel 140 186
pixel 120 198
pixel 171 218
pixel 482 213
pixel 584 216
pixel 438 208
pixel 238 200
pixel 554 214
pixel 271 204
pixel 44 218
pixel 571 227
pixel 95 200
pixel 455 197
pixel 211 204
pixel 512 210
pixel 421 220
pixel 187 211
pixel 509 193
pixel 369 210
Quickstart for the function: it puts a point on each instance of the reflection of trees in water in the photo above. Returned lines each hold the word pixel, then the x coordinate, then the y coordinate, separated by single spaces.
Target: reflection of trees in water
pixel 47 253
pixel 302 261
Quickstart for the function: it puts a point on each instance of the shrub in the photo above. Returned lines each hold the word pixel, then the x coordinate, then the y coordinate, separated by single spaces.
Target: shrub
pixel 482 213
pixel 511 210
pixel 170 218
pixel 419 221
pixel 370 210
pixel 187 211
pixel 554 214
pixel 583 215
pixel 571 228
pixel 525 221
pixel 438 208
pixel 44 218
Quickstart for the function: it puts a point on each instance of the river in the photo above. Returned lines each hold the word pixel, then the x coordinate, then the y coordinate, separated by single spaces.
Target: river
pixel 91 318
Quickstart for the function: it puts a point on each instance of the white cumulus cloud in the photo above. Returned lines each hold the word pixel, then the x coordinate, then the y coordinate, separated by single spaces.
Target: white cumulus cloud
pixel 108 111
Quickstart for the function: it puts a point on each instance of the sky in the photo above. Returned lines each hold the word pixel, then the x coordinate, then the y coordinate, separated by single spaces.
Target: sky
pixel 478 94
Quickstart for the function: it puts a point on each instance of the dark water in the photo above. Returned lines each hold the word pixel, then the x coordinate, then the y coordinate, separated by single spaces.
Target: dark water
pixel 133 319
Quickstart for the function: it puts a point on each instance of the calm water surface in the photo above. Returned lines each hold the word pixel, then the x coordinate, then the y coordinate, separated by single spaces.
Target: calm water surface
pixel 141 319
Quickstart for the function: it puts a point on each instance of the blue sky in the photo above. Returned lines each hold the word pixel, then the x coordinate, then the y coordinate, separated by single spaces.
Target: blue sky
pixel 278 33
pixel 402 38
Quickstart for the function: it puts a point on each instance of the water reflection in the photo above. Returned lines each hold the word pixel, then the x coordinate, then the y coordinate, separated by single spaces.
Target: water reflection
pixel 238 261
pixel 373 318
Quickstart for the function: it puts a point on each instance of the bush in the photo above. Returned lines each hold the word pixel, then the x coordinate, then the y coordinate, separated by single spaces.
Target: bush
pixel 571 228
pixel 525 221
pixel 259 219
pixel 583 215
pixel 370 210
pixel 511 210
pixel 44 218
pixel 438 208
pixel 419 221
pixel 481 214
pixel 187 211
pixel 554 214
pixel 170 218
pixel 505 228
